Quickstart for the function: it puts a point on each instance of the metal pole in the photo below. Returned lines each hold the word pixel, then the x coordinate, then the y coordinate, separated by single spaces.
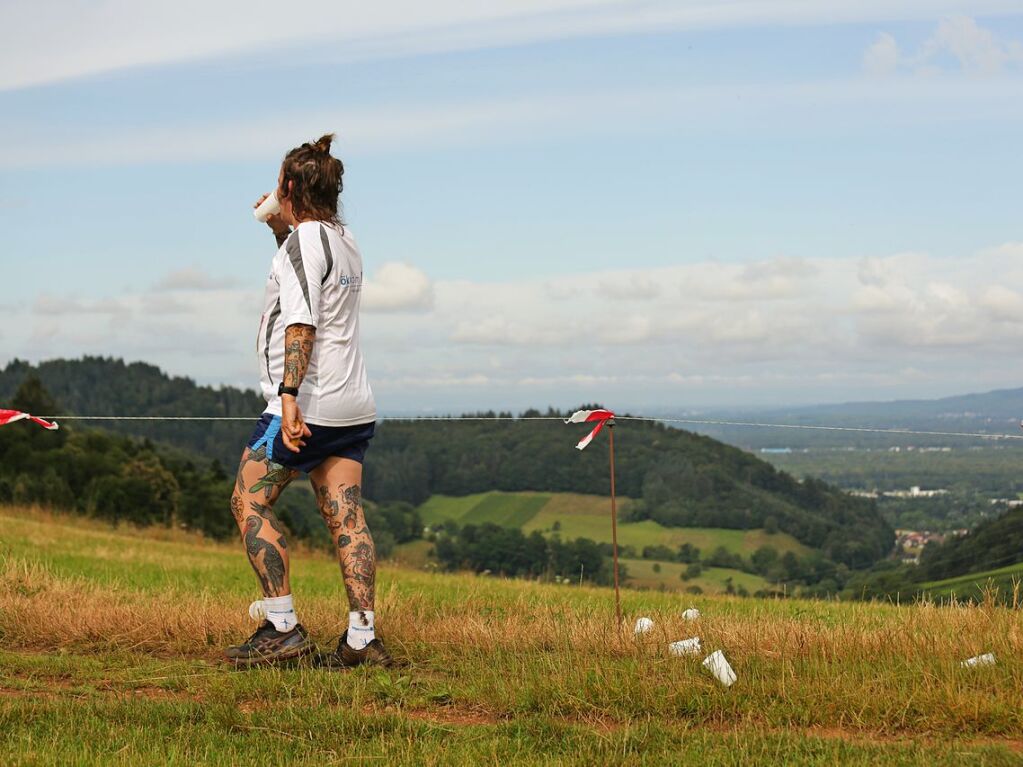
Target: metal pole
pixel 614 527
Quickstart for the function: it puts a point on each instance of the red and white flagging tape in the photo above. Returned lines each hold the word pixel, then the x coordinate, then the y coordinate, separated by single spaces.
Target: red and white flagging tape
pixel 10 416
pixel 601 417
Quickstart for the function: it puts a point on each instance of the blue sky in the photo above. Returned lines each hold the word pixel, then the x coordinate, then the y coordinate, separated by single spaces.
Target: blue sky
pixel 670 204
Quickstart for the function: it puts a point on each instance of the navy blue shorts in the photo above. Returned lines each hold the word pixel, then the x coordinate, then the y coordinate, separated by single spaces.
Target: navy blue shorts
pixel 326 442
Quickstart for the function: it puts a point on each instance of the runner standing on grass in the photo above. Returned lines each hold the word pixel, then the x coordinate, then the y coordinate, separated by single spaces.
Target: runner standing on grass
pixel 319 417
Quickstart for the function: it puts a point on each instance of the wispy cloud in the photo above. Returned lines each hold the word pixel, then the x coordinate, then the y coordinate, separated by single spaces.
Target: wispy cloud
pixel 807 106
pixel 53 40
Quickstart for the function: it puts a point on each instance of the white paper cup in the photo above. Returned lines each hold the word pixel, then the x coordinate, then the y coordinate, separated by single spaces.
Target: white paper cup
pixel 271 206
pixel 643 625
pixel 987 659
pixel 685 647
pixel 719 667
pixel 691 614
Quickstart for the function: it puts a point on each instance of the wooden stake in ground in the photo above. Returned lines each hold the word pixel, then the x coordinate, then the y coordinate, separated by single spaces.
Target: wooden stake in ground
pixel 614 524
pixel 603 418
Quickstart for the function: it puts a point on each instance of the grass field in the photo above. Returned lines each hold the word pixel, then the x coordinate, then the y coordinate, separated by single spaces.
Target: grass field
pixel 573 515
pixel 504 509
pixel 712 579
pixel 111 642
pixel 971 586
pixel 589 516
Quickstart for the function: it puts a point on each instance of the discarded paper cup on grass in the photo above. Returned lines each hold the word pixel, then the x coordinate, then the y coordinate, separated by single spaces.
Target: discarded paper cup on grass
pixel 685 647
pixel 987 659
pixel 643 625
pixel 719 667
pixel 691 614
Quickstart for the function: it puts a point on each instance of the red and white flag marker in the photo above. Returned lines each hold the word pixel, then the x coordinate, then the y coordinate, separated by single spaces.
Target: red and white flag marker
pixel 10 416
pixel 589 416
pixel 602 417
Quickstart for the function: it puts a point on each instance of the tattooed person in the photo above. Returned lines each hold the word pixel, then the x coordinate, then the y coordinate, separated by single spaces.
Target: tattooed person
pixel 319 417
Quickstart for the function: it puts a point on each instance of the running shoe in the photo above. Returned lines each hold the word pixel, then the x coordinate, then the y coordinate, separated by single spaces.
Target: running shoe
pixel 346 657
pixel 268 645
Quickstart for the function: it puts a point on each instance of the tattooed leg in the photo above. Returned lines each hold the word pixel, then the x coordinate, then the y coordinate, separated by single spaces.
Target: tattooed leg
pixel 266 559
pixel 257 488
pixel 337 484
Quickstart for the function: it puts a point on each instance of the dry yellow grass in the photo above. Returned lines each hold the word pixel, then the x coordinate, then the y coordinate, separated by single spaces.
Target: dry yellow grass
pixel 510 648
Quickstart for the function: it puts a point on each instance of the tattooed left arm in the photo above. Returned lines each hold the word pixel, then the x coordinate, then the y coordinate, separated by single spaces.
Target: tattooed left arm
pixel 298 348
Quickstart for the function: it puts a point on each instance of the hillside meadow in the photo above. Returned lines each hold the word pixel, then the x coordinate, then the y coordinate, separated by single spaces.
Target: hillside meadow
pixel 576 515
pixel 111 642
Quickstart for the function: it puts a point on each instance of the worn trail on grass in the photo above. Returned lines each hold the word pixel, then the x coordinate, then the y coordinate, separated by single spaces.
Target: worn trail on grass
pixel 54 688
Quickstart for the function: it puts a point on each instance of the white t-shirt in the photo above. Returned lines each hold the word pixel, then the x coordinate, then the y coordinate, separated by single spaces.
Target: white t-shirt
pixel 316 279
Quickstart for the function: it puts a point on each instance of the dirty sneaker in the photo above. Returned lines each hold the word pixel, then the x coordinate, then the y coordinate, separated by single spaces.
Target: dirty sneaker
pixel 268 645
pixel 346 657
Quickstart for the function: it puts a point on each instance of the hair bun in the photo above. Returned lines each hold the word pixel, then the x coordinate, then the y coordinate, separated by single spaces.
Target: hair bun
pixel 323 143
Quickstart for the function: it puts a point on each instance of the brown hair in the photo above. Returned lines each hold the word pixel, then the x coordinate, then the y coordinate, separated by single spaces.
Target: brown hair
pixel 316 176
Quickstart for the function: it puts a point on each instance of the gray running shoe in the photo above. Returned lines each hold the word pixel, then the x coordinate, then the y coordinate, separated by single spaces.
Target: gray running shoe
pixel 268 645
pixel 347 657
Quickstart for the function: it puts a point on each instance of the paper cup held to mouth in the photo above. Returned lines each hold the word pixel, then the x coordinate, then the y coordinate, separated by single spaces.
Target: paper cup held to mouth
pixel 271 206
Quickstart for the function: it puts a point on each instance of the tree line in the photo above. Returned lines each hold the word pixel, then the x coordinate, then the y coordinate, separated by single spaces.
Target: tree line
pixel 122 479
pixel 676 477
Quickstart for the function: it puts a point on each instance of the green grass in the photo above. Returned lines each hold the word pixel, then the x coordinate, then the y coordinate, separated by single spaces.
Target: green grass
pixel 589 516
pixel 713 580
pixel 972 586
pixel 111 643
pixel 573 515
pixel 504 509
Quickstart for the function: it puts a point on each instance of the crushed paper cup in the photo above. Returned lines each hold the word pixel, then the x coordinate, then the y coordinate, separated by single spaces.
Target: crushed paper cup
pixel 987 659
pixel 691 614
pixel 685 647
pixel 643 625
pixel 719 667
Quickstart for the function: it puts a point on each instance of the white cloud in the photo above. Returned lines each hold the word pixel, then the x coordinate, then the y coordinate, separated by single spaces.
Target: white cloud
pixel 959 43
pixel 882 57
pixel 1004 305
pixel 398 287
pixel 50 305
pixel 52 40
pixel 828 328
pixel 975 48
pixel 192 278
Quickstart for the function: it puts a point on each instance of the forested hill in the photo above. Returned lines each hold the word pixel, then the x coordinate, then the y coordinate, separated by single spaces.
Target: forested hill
pixel 678 478
pixel 105 386
pixel 993 543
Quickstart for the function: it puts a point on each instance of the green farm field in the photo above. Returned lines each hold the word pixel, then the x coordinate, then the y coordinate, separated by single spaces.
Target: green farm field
pixel 573 515
pixel 971 586
pixel 712 580
pixel 111 643
pixel 589 516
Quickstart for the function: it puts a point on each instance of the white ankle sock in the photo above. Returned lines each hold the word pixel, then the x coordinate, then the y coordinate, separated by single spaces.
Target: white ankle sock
pixel 280 611
pixel 360 629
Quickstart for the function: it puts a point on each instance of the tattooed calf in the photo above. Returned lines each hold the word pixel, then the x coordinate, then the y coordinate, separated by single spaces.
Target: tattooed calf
pixel 358 565
pixel 266 560
pixel 267 514
pixel 328 508
pixel 237 509
pixel 352 498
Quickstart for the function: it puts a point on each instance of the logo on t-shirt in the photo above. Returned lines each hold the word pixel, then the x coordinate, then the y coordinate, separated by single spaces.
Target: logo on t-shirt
pixel 353 281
